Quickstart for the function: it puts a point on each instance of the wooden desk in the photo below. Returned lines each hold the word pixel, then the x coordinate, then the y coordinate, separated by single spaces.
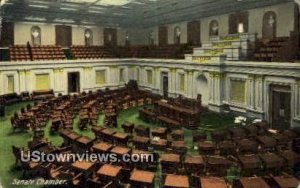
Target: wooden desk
pixel 141 164
pixel 207 147
pixel 177 134
pixel 176 181
pixel 213 182
pixel 120 138
pixel 142 131
pixel 252 130
pixel 102 147
pixel 160 132
pixel 69 137
pixel 251 161
pixel 218 165
pixel 83 166
pixel 107 135
pixel 180 114
pixel 142 178
pixel 247 146
pixel 291 158
pixel 237 133
pixel 170 123
pixel 159 144
pixel 141 142
pixel 109 171
pixel 227 147
pixel 170 163
pixel 267 142
pixel 128 127
pixel 170 158
pixel 194 164
pixel 147 114
pixel 271 160
pixel 120 150
pixel 253 182
pixel 84 143
pixel 218 135
pixel 97 130
pixel 179 147
pixel 286 181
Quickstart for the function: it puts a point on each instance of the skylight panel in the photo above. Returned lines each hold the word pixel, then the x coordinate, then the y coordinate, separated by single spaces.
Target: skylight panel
pixel 64 20
pixel 31 18
pixel 113 2
pixel 68 9
pixel 39 6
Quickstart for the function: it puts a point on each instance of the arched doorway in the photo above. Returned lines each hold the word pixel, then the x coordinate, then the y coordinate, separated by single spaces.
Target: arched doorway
pixel 202 88
pixel 269 25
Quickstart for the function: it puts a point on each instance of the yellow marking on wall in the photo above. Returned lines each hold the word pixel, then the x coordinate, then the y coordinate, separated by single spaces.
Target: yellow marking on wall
pixel 201 59
pixel 10 84
pixel 42 82
pixel 238 91
pixel 100 77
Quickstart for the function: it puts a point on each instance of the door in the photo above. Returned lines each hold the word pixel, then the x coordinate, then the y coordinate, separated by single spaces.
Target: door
pixel 63 35
pixel 73 82
pixel 7 34
pixel 193 33
pixel 280 107
pixel 238 23
pixel 163 36
pixel 110 36
pixel 165 84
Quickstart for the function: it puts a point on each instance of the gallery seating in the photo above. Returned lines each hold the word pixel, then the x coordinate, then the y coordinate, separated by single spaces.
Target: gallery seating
pixel 91 52
pixel 47 52
pixel 279 49
pixel 19 53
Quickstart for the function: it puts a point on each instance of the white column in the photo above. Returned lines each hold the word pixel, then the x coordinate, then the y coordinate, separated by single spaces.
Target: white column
pixel 259 91
pixel 190 84
pixel 250 91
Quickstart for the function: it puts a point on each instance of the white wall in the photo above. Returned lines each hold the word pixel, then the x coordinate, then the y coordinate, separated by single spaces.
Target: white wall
pixel 285 24
pixel 183 30
pixel 23 33
pixel 285 19
pixel 78 35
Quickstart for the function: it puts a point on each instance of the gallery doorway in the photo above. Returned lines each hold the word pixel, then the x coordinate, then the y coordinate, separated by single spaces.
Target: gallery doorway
pixel 73 82
pixel 280 107
pixel 165 84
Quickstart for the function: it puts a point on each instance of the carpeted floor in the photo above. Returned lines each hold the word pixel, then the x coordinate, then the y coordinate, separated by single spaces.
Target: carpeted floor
pixel 209 122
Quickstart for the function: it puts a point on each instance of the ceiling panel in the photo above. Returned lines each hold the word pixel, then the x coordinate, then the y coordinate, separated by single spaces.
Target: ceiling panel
pixel 123 13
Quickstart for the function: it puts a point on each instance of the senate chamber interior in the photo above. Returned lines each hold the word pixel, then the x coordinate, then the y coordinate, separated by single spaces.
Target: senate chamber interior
pixel 209 90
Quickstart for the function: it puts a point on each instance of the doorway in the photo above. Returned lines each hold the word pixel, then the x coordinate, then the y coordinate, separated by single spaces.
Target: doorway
pixel 193 33
pixel 163 36
pixel 110 37
pixel 280 107
pixel 165 84
pixel 73 82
